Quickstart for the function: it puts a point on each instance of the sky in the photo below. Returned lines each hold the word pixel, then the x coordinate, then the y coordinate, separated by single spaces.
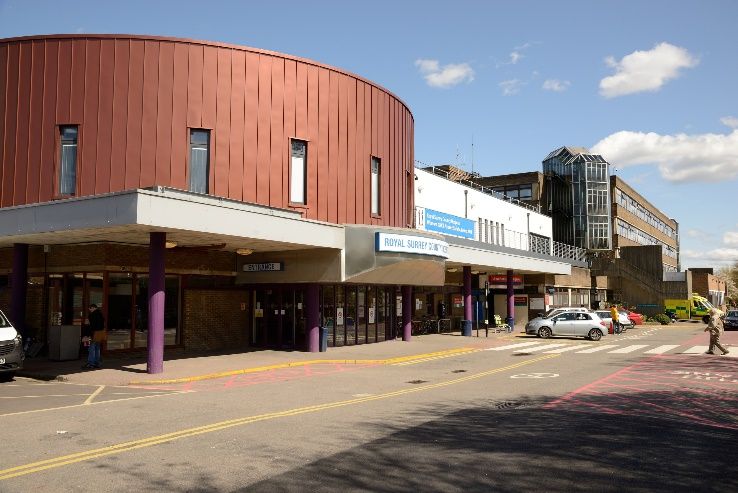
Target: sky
pixel 495 86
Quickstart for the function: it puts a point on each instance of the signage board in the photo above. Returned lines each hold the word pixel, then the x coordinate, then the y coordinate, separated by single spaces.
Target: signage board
pixel 498 281
pixel 521 300
pixel 264 267
pixel 390 242
pixel 448 224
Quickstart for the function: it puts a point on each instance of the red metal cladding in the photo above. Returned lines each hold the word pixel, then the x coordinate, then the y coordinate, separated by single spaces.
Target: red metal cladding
pixel 135 99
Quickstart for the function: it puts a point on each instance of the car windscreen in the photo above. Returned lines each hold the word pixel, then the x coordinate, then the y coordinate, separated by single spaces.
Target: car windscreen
pixel 733 313
pixel 3 321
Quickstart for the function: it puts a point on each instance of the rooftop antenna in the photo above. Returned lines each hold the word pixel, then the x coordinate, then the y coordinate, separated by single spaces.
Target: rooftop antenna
pixel 472 156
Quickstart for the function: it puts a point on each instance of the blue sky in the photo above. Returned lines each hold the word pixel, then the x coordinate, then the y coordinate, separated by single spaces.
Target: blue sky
pixel 651 85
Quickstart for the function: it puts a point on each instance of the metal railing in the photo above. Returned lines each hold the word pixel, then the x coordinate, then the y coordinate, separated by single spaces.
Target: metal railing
pixel 532 243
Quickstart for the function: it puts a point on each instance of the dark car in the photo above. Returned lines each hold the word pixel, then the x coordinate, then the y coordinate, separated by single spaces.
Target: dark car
pixel 11 349
pixel 731 320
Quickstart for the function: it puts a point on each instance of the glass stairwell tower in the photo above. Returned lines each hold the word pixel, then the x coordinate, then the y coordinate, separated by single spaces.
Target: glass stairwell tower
pixel 577 197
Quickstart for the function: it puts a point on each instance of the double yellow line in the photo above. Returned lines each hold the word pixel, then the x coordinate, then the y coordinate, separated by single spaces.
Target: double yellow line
pixel 43 465
pixel 294 364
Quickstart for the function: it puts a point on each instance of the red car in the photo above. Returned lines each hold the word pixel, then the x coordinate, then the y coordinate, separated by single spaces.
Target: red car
pixel 637 318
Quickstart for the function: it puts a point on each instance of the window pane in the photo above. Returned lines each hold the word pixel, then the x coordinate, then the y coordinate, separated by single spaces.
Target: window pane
pixel 68 161
pixel 199 160
pixel 375 185
pixel 297 171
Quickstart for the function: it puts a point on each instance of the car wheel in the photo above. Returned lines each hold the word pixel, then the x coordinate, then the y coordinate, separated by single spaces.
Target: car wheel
pixel 7 376
pixel 595 334
pixel 544 332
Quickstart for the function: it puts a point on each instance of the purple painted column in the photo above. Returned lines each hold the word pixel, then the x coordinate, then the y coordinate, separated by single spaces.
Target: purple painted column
pixel 155 362
pixel 466 324
pixel 407 313
pixel 19 279
pixel 312 315
pixel 510 300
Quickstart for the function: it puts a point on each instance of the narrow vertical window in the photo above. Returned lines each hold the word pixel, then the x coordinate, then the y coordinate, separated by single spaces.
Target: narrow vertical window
pixel 199 160
pixel 376 180
pixel 298 168
pixel 68 170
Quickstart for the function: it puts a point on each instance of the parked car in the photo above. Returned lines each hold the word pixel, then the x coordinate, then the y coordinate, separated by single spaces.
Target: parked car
pixel 11 349
pixel 625 322
pixel 568 323
pixel 562 309
pixel 637 318
pixel 731 320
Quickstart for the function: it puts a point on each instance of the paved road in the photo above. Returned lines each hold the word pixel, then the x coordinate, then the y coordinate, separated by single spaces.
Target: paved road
pixel 510 415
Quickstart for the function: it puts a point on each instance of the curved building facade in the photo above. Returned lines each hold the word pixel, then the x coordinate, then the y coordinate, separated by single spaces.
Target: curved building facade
pixel 136 106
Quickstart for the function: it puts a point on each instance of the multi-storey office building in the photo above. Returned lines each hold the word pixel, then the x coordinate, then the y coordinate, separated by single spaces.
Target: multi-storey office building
pixel 214 196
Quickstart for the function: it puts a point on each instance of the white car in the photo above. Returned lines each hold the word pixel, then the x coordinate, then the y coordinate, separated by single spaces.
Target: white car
pixel 625 322
pixel 11 349
pixel 568 323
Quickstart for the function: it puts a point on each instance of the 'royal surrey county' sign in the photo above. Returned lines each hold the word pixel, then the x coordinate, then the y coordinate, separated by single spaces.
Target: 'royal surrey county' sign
pixel 389 242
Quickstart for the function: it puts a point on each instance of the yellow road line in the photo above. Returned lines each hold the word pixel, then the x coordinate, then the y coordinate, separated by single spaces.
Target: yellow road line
pixel 211 376
pixel 93 395
pixel 43 465
pixel 58 408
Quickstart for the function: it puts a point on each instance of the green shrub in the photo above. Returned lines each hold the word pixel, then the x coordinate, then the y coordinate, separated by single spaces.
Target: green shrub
pixel 662 319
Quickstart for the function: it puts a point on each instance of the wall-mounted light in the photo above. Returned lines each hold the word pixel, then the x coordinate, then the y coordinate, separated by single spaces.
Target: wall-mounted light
pixel 452 269
pixel 170 244
pixel 244 251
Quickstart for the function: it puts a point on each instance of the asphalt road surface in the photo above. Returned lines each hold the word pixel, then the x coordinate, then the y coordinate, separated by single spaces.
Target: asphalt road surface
pixel 644 411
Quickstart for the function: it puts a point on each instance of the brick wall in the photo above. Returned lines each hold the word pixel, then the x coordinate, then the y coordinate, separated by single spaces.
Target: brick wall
pixel 213 319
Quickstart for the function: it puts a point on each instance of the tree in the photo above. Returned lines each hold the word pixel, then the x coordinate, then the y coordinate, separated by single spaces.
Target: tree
pixel 729 274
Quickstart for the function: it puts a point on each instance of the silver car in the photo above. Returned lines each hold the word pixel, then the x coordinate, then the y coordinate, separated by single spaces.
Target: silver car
pixel 571 323
pixel 11 349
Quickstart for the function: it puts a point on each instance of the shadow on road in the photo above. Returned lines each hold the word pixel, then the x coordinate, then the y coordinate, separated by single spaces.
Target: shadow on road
pixel 524 446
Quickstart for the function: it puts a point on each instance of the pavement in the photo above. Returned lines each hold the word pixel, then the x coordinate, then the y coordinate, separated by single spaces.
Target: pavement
pixel 181 366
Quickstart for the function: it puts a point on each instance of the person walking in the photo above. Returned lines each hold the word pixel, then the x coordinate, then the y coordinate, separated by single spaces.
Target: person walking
pixel 615 322
pixel 97 336
pixel 715 327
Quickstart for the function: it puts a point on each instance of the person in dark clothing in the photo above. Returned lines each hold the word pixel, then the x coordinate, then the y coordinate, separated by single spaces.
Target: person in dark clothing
pixel 97 336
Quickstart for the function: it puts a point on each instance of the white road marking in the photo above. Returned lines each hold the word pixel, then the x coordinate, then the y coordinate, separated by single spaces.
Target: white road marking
pixel 539 348
pixel 696 350
pixel 629 349
pixel 513 346
pixel 600 348
pixel 569 348
pixel 661 349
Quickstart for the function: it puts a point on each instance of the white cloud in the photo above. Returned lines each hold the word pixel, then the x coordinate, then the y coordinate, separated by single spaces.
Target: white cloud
pixel 515 57
pixel 556 85
pixel 716 256
pixel 511 87
pixel 444 76
pixel 645 70
pixel 729 121
pixel 696 233
pixel 731 239
pixel 681 157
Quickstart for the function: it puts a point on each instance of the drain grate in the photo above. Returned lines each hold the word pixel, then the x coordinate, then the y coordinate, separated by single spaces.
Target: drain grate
pixel 418 381
pixel 458 371
pixel 510 405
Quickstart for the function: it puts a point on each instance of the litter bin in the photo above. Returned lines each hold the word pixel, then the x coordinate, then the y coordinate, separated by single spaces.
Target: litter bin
pixel 466 328
pixel 323 339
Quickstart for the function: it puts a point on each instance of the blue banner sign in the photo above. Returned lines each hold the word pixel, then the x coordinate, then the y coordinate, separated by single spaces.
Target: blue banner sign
pixel 440 222
pixel 389 242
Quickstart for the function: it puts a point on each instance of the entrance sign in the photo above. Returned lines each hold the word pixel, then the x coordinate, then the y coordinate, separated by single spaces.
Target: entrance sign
pixel 390 242
pixel 263 267
pixel 497 281
pixel 440 222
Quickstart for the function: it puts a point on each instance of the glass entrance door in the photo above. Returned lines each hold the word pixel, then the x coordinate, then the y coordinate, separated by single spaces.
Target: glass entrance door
pixel 279 318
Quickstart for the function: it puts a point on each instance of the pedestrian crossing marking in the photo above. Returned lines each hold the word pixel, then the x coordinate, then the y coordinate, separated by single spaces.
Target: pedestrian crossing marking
pixel 539 348
pixel 599 348
pixel 629 349
pixel 661 349
pixel 568 348
pixel 695 350
pixel 513 346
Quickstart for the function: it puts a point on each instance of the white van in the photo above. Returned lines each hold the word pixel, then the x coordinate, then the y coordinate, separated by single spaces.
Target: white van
pixel 11 349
